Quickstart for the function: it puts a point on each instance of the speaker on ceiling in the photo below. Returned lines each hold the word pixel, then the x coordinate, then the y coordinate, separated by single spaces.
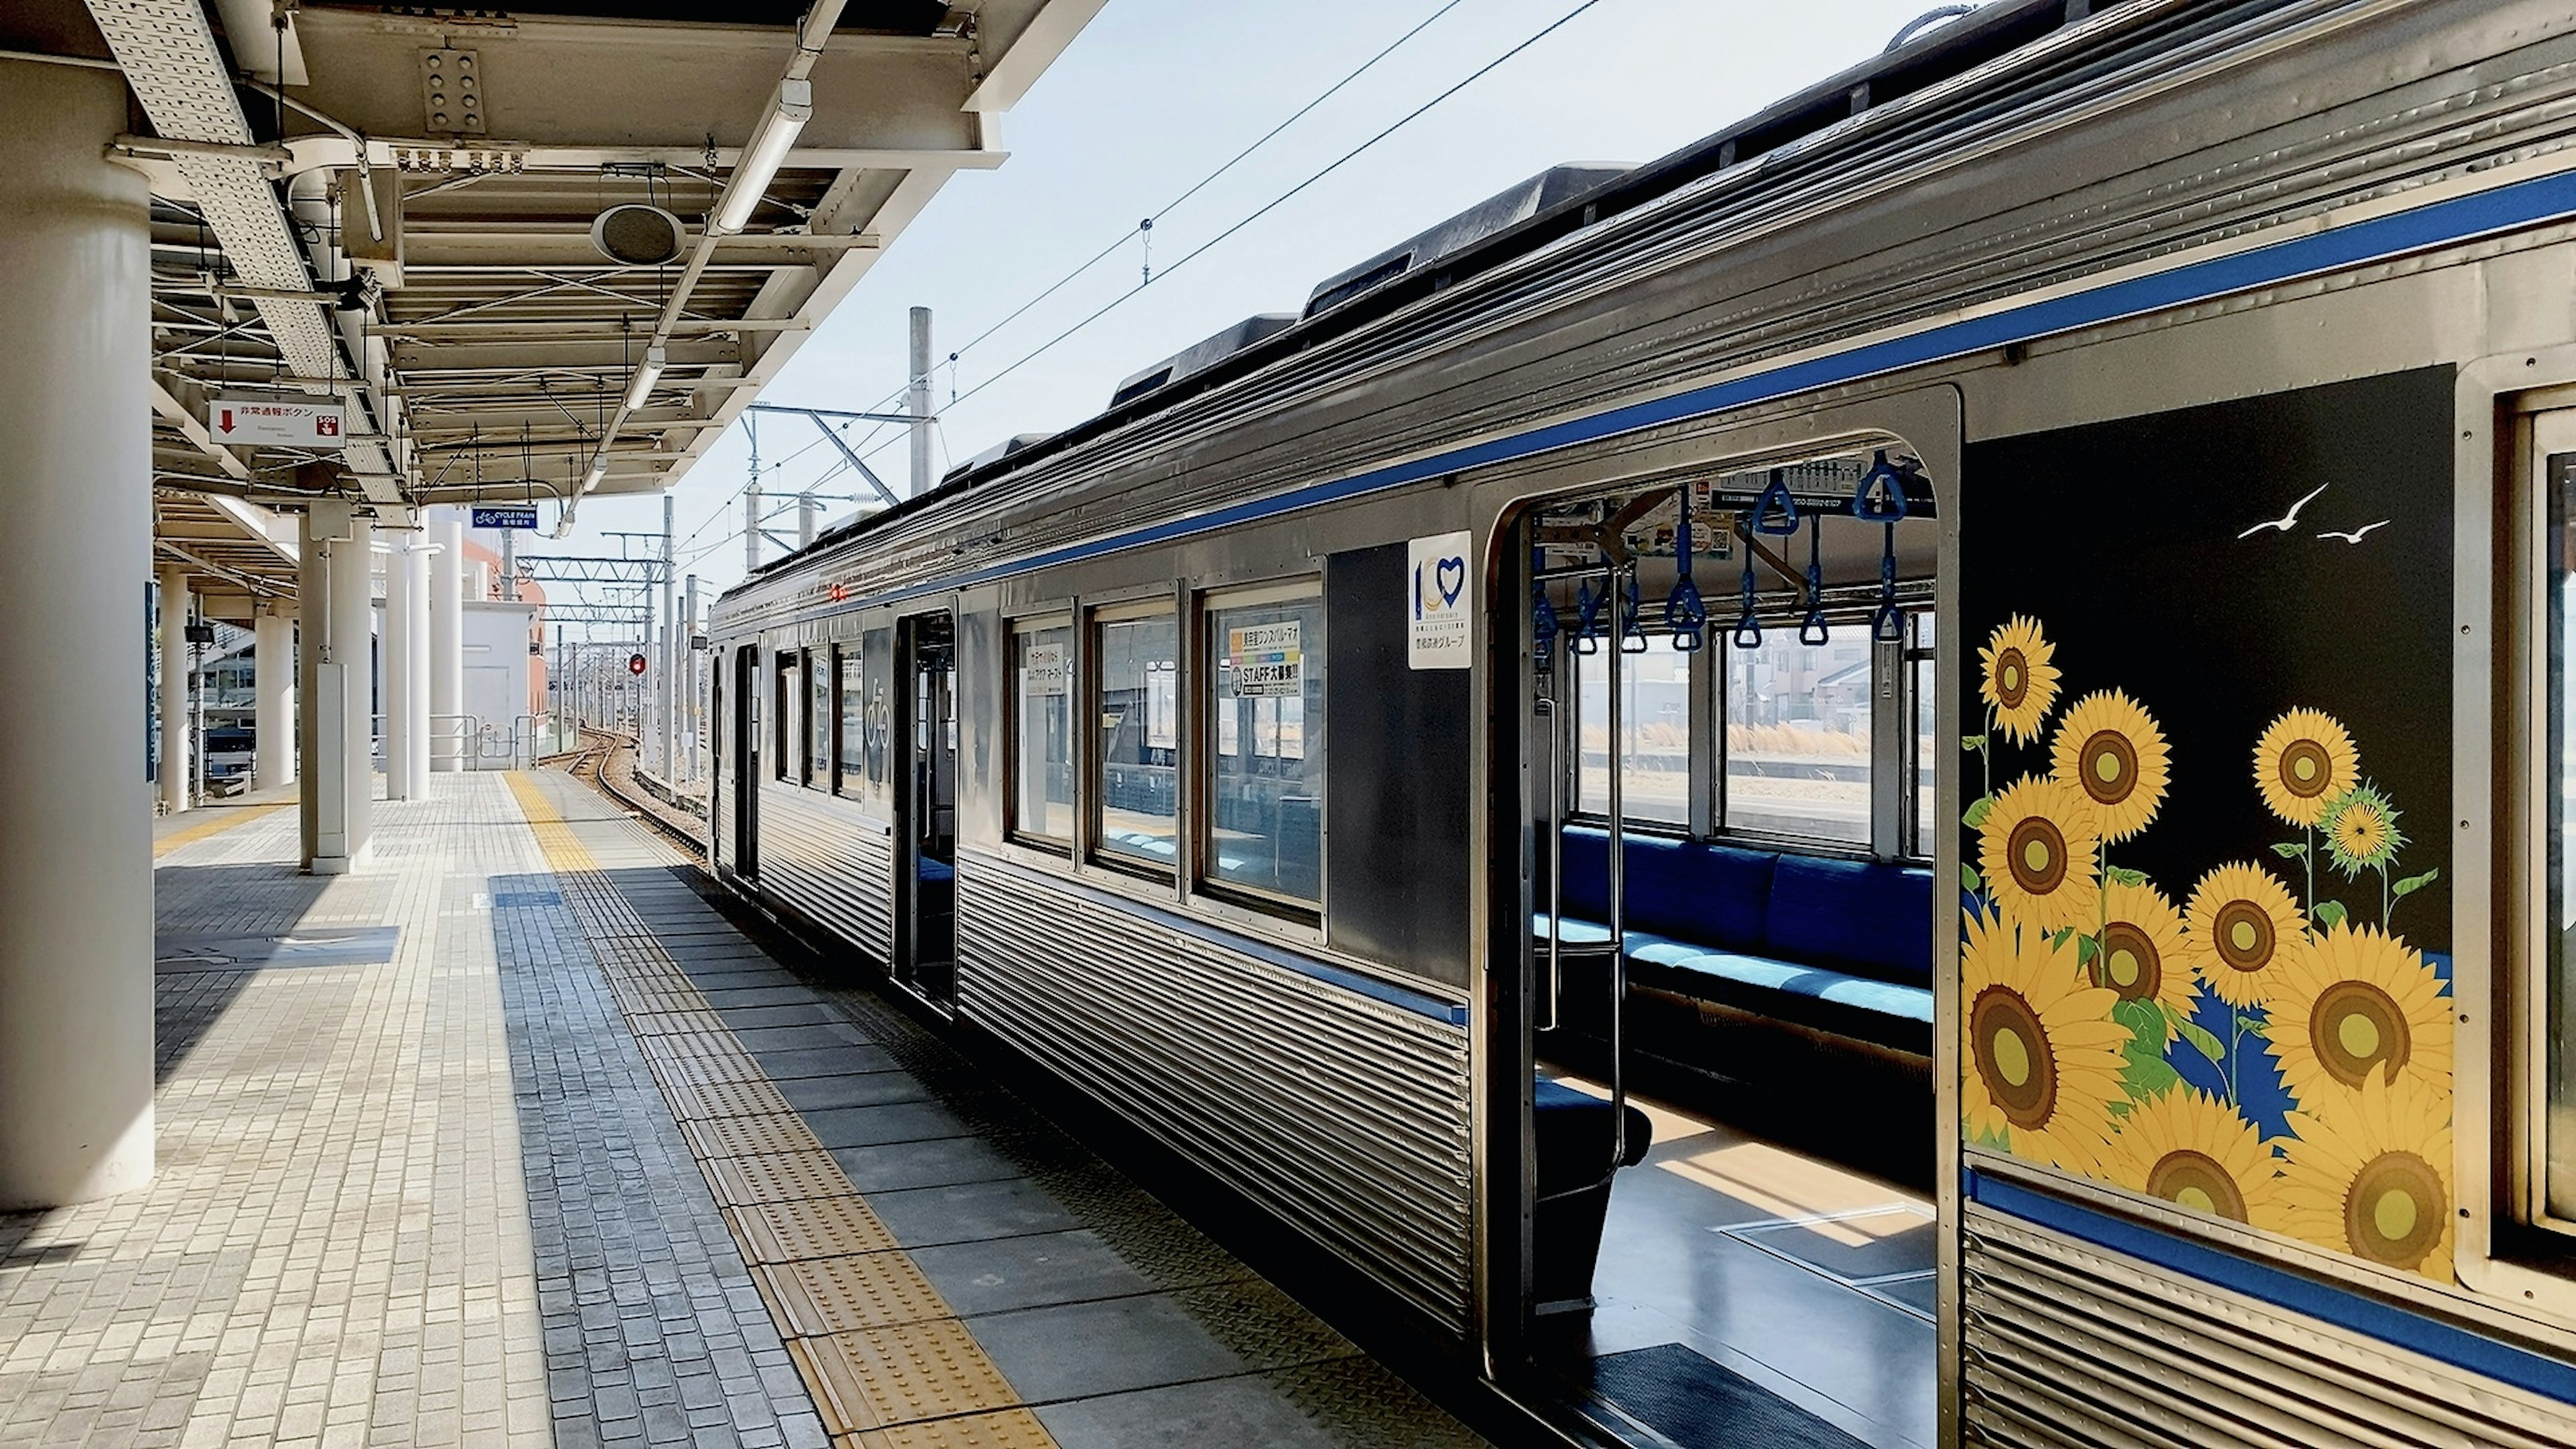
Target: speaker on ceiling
pixel 638 235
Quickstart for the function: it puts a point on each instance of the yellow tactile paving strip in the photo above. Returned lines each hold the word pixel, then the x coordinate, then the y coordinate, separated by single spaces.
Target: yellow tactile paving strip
pixel 889 1364
pixel 216 822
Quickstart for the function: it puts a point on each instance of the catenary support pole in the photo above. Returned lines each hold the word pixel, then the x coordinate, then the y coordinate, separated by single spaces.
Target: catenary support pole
pixel 172 679
pixel 919 402
pixel 674 649
pixel 696 692
pixel 408 728
pixel 272 696
pixel 337 652
pixel 75 552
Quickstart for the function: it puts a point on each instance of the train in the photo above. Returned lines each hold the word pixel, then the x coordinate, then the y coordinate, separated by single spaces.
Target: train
pixel 1909 768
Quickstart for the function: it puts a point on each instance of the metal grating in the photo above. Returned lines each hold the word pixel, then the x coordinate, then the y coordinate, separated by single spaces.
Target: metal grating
pixel 2070 1347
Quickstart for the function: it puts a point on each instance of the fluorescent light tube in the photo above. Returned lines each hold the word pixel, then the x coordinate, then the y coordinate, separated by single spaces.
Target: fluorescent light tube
pixel 647 373
pixel 789 109
pixel 598 470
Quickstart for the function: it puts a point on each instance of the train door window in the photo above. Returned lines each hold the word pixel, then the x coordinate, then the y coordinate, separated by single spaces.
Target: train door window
pixel 790 736
pixel 1797 740
pixel 849 745
pixel 1923 761
pixel 1041 734
pixel 1265 672
pixel 1135 697
pixel 820 711
pixel 2549 1045
pixel 1655 726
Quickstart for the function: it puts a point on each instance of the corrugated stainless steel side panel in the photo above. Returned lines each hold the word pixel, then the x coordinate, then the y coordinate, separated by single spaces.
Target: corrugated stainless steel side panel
pixel 2068 1344
pixel 823 861
pixel 1344 1115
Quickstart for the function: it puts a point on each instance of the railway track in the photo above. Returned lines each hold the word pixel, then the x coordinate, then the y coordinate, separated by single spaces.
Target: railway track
pixel 598 761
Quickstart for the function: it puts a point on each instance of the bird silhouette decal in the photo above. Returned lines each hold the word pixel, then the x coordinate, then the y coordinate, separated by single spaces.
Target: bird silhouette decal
pixel 2357 534
pixel 2286 521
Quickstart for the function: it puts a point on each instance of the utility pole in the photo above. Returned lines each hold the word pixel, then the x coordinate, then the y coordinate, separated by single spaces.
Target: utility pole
pixel 809 515
pixel 666 692
pixel 697 691
pixel 510 564
pixel 559 688
pixel 751 527
pixel 920 401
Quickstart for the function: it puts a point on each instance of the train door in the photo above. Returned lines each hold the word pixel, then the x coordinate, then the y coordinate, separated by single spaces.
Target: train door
pixel 926 928
pixel 1724 1037
pixel 744 725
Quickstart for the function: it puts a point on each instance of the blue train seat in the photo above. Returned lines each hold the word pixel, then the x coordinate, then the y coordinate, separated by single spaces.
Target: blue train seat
pixel 1839 947
pixel 1574 1141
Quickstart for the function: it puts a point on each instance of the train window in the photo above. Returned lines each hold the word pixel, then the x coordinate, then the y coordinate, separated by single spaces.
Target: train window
pixel 1797 736
pixel 1265 829
pixel 1041 723
pixel 1655 729
pixel 1135 700
pixel 850 744
pixel 2552 1032
pixel 790 693
pixel 1924 760
pixel 819 713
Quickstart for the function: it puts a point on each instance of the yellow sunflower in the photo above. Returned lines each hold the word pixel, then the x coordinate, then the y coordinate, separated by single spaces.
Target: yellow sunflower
pixel 2243 923
pixel 2039 851
pixel 2370 1175
pixel 2304 763
pixel 2020 682
pixel 2190 1148
pixel 2143 955
pixel 2361 832
pixel 2111 750
pixel 2354 1003
pixel 2043 1054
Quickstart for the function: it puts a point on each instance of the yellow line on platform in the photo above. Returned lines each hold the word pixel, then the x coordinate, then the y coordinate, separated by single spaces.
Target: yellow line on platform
pixel 888 1362
pixel 215 823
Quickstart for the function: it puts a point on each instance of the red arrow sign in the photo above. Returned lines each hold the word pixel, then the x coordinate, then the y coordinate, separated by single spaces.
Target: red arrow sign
pixel 226 425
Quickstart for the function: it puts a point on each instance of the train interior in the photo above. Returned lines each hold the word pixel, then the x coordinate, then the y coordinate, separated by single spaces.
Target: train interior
pixel 926 947
pixel 1758 645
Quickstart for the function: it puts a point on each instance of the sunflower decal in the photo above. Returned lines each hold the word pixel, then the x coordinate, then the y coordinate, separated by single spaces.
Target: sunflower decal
pixel 2194 1150
pixel 2243 923
pixel 2020 682
pixel 2142 954
pixel 2371 1176
pixel 2111 750
pixel 2044 1058
pixel 2303 764
pixel 2354 1004
pixel 2040 851
pixel 2361 832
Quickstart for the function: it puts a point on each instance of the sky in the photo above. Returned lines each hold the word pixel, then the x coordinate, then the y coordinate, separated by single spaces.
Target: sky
pixel 1152 97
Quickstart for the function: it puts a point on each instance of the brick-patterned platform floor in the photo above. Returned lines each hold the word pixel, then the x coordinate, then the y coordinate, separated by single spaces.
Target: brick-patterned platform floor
pixel 425 1179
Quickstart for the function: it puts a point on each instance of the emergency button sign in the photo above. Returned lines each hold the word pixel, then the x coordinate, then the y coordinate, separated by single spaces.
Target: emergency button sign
pixel 278 422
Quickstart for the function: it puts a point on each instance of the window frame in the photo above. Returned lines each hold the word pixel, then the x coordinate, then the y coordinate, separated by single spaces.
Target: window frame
pixel 1091 750
pixel 786 687
pixel 817 774
pixel 847 778
pixel 1202 647
pixel 1013 629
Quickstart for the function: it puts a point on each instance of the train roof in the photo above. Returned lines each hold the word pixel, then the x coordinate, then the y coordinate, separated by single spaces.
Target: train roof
pixel 1513 224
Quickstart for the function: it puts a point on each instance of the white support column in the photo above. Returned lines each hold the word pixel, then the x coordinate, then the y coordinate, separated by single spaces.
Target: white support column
pixel 171 679
pixel 273 697
pixel 75 550
pixel 446 644
pixel 407 724
pixel 917 402
pixel 333 708
pixel 666 695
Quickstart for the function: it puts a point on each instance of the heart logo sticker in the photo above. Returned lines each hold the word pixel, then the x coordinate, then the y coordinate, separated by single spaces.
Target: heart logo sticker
pixel 1451 576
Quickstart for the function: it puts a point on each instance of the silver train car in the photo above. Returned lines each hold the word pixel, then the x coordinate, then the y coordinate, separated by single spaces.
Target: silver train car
pixel 1973 669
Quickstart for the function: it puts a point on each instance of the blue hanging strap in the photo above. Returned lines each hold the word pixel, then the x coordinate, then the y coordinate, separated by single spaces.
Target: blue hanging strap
pixel 1812 630
pixel 1543 625
pixel 1632 628
pixel 1748 629
pixel 1587 619
pixel 1684 612
pixel 1880 498
pixel 1776 512
pixel 1887 626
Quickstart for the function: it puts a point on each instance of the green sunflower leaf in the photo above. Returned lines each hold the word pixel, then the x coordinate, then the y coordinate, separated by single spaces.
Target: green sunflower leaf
pixel 2058 941
pixel 2145 1021
pixel 2289 850
pixel 2148 1077
pixel 2122 875
pixel 2202 1039
pixel 1969 878
pixel 1973 743
pixel 2086 948
pixel 2413 883
pixel 2252 1026
pixel 2330 914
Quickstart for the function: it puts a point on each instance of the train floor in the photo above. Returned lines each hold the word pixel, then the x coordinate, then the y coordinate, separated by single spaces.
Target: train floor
pixel 510 1136
pixel 1743 1283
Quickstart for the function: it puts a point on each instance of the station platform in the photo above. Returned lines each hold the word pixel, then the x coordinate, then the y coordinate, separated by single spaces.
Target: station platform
pixel 511 1137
